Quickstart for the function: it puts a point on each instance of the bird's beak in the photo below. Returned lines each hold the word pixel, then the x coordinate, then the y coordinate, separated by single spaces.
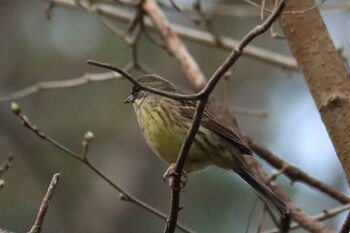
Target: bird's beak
pixel 130 99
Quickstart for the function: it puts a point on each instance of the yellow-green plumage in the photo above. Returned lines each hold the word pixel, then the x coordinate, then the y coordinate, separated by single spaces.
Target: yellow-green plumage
pixel 165 122
pixel 166 138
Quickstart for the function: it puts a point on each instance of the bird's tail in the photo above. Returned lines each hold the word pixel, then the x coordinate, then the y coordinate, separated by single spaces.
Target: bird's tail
pixel 264 192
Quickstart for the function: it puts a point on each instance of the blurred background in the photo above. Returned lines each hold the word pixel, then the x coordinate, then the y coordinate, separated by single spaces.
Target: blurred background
pixel 35 49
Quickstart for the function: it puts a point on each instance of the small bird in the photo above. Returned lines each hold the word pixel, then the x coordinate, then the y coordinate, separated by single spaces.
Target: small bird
pixel 165 121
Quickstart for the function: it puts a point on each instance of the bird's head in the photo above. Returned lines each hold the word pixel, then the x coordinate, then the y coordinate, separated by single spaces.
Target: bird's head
pixel 149 80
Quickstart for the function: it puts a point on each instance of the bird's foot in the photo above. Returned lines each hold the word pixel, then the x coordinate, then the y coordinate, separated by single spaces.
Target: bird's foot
pixel 169 177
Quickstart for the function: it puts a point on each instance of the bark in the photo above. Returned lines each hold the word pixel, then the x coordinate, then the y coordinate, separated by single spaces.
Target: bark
pixel 324 72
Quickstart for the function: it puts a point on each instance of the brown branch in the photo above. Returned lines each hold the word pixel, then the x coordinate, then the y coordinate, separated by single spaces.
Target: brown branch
pixel 125 196
pixel 296 213
pixel 72 83
pixel 174 45
pixel 250 112
pixel 199 36
pixel 36 228
pixel 346 225
pixel 326 214
pixel 324 73
pixel 226 65
pixel 5 231
pixel 146 88
pixel 248 10
pixel 294 173
pixel 286 12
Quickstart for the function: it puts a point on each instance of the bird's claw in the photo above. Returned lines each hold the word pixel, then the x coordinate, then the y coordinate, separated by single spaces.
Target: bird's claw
pixel 169 176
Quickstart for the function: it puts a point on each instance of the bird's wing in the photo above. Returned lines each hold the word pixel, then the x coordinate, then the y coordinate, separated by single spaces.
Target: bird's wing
pixel 208 121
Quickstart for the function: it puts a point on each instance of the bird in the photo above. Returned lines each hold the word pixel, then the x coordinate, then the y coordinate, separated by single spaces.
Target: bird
pixel 165 121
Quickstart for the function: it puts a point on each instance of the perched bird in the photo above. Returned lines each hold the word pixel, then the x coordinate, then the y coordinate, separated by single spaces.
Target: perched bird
pixel 165 121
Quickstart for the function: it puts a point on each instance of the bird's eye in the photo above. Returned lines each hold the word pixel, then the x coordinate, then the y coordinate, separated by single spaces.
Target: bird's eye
pixel 135 90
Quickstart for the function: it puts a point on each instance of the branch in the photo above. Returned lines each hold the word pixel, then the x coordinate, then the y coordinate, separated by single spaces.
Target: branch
pixel 174 45
pixel 294 173
pixel 249 10
pixel 199 36
pixel 72 83
pixel 188 33
pixel 6 165
pixel 36 228
pixel 142 87
pixel 83 159
pixel 4 168
pixel 324 73
pixel 227 64
pixel 346 226
pixel 326 214
pixel 296 214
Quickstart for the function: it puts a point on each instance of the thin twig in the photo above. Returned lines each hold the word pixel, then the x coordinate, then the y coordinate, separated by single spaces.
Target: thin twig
pixel 248 10
pixel 36 228
pixel 197 6
pixel 226 65
pixel 302 11
pixel 71 83
pixel 194 35
pixel 5 231
pixel 6 165
pixel 294 173
pixel 204 93
pixel 180 162
pixel 88 138
pixel 146 88
pixel 326 214
pixel 250 217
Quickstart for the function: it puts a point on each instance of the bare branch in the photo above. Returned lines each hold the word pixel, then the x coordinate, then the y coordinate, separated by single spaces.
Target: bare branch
pixel 36 228
pixel 226 65
pixel 72 83
pixel 294 173
pixel 245 10
pixel 206 38
pixel 326 214
pixel 123 194
pixel 175 46
pixel 149 89
pixel 4 168
pixel 6 165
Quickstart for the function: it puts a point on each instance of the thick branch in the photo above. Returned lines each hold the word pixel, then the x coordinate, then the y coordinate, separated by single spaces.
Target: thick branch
pixel 324 73
pixel 175 46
